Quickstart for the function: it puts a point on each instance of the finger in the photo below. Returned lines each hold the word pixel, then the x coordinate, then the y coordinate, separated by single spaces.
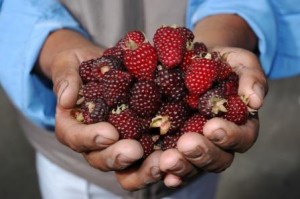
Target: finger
pixel 176 167
pixel 172 181
pixel 115 157
pixel 203 153
pixel 252 83
pixel 81 137
pixel 65 76
pixel 172 161
pixel 66 84
pixel 139 176
pixel 230 136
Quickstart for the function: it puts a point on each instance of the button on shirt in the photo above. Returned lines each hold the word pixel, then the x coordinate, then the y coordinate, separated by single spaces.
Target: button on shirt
pixel 25 24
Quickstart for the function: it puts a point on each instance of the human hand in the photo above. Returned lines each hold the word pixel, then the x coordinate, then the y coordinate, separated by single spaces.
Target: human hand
pixel 98 143
pixel 214 150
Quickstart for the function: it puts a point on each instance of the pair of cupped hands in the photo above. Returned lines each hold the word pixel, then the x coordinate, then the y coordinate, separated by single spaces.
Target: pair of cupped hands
pixel 100 145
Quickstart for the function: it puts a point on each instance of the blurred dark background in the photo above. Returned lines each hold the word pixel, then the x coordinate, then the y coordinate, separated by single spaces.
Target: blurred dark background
pixel 270 169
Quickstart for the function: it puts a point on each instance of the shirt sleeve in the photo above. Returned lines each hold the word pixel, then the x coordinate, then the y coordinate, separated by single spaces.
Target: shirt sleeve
pixel 25 25
pixel 258 14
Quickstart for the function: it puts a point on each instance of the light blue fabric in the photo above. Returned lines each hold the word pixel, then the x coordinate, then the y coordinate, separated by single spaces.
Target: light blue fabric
pixel 275 22
pixel 24 26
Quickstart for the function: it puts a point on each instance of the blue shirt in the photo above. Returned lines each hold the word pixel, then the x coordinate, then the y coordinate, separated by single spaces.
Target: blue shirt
pixel 25 24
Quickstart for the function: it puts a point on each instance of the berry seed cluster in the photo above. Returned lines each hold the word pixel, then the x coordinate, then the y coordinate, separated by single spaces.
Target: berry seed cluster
pixel 155 93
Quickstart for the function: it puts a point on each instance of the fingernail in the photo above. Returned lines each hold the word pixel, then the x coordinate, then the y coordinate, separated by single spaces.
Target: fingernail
pixel 123 161
pixel 218 135
pixel 62 85
pixel 195 153
pixel 259 90
pixel 155 172
pixel 103 141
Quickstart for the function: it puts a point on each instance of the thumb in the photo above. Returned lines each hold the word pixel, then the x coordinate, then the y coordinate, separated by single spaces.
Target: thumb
pixel 252 83
pixel 67 83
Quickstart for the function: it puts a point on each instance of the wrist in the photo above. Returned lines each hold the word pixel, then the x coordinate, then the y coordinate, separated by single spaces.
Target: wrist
pixel 226 30
pixel 65 46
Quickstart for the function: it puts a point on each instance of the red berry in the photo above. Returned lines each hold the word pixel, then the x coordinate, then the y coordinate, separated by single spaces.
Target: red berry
pixel 192 100
pixel 230 85
pixel 170 117
pixel 134 37
pixel 104 63
pixel 147 144
pixel 93 111
pixel 187 57
pixel 212 103
pixel 186 33
pixel 145 98
pixel 200 75
pixel 92 90
pixel 224 70
pixel 116 86
pixel 237 110
pixel 115 51
pixel 170 141
pixel 171 83
pixel 146 123
pixel 199 47
pixel 141 61
pixel 170 46
pixel 86 70
pixel 194 124
pixel 126 122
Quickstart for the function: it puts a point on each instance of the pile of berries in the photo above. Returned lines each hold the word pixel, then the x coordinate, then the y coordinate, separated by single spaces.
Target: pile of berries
pixel 155 93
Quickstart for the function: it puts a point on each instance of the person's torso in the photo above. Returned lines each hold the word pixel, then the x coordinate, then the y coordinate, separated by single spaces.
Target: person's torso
pixel 107 21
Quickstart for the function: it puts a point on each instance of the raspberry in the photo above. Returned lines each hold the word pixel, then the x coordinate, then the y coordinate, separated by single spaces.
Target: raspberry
pixel 199 48
pixel 126 122
pixel 170 117
pixel 212 103
pixel 116 51
pixel 170 141
pixel 92 90
pixel 170 46
pixel 133 38
pixel 230 85
pixel 145 98
pixel 201 75
pixel 188 55
pixel 93 111
pixel 117 85
pixel 147 144
pixel 237 110
pixel 104 63
pixel 86 70
pixel 186 33
pixel 140 60
pixel 192 100
pixel 194 124
pixel 171 83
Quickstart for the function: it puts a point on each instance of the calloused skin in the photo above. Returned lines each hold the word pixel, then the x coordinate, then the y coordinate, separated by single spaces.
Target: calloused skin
pixel 194 154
